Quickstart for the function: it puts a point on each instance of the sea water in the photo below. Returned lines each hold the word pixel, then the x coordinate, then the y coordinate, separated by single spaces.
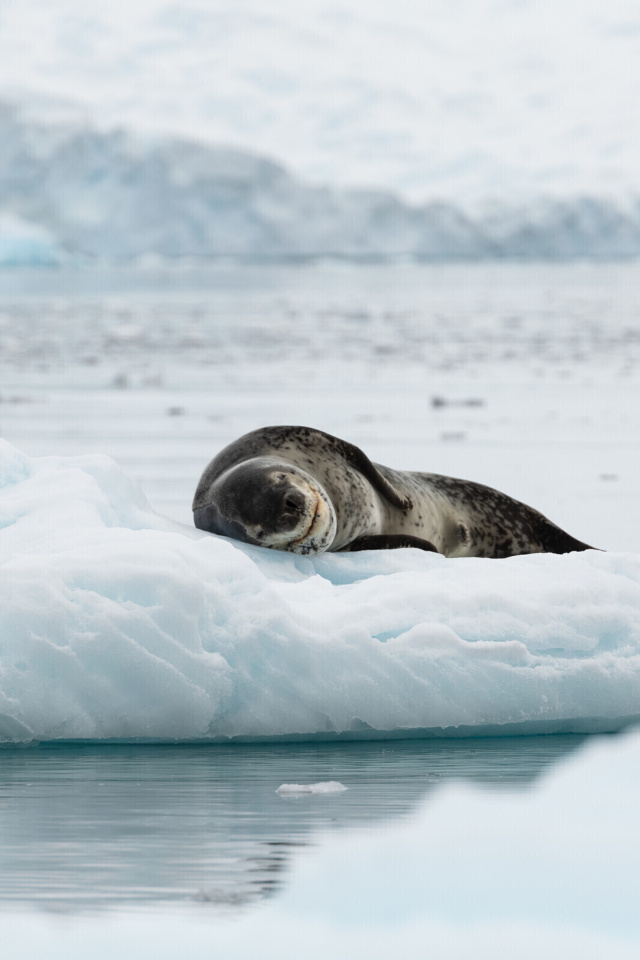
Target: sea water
pixel 123 827
pixel 550 870
pixel 524 377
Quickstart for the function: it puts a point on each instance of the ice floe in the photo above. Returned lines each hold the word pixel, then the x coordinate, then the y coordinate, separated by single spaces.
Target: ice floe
pixel 118 623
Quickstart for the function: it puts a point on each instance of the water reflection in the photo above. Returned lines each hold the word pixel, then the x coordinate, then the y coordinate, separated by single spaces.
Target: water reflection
pixel 134 826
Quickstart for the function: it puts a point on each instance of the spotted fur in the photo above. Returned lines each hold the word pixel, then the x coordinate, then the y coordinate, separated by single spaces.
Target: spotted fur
pixel 303 490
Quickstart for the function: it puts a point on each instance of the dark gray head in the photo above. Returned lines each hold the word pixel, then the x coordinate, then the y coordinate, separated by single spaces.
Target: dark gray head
pixel 269 503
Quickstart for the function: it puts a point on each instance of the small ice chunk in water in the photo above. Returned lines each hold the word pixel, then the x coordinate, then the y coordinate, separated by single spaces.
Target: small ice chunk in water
pixel 326 786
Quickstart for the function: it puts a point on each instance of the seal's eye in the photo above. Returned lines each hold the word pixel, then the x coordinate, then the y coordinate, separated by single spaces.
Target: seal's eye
pixel 259 534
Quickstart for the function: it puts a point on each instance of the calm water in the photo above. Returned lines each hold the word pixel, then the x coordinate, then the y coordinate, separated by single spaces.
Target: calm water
pixel 86 827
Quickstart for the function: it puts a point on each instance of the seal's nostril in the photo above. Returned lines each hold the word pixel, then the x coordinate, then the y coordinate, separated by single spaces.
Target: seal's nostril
pixel 294 501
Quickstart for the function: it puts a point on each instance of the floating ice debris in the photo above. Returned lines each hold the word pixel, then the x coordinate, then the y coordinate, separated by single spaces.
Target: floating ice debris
pixel 326 786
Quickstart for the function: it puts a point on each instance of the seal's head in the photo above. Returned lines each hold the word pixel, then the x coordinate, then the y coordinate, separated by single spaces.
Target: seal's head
pixel 269 503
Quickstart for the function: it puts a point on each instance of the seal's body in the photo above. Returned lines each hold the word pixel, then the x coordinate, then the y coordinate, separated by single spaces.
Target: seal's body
pixel 302 490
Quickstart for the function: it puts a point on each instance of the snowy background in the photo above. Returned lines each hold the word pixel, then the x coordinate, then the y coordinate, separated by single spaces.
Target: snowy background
pixel 463 99
pixel 441 130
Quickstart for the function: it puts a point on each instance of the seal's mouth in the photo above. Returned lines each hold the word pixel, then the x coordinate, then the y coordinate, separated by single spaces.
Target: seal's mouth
pixel 309 531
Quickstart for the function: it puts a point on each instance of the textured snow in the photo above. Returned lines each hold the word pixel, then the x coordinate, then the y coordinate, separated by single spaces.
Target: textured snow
pixel 297 789
pixel 550 872
pixel 120 623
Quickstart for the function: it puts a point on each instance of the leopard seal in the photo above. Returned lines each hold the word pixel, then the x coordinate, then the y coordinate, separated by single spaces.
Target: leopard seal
pixel 302 490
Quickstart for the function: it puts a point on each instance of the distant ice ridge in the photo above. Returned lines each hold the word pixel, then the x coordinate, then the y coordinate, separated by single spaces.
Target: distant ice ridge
pixel 115 195
pixel 116 622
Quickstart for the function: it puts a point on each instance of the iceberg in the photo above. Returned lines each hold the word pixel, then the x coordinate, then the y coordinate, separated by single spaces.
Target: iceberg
pixel 120 624
pixel 117 195
pixel 23 243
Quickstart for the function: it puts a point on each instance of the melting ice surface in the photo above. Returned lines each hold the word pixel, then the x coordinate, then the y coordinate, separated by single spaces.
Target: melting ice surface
pixel 118 623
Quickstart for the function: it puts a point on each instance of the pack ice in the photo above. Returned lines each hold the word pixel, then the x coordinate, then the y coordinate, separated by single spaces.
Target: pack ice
pixel 116 622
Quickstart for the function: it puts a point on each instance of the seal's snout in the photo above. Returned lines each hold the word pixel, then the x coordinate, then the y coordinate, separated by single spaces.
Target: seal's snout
pixel 205 518
pixel 268 503
pixel 209 518
pixel 294 502
pixel 201 518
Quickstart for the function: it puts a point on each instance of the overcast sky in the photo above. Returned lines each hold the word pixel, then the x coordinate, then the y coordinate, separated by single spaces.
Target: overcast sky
pixel 459 98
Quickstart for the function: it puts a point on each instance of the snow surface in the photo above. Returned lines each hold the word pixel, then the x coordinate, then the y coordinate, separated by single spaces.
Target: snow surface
pixel 120 623
pixel 550 872
pixel 296 789
pixel 456 100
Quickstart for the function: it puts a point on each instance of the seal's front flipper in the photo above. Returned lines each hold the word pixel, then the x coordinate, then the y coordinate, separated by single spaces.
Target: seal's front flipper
pixel 388 541
pixel 358 459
